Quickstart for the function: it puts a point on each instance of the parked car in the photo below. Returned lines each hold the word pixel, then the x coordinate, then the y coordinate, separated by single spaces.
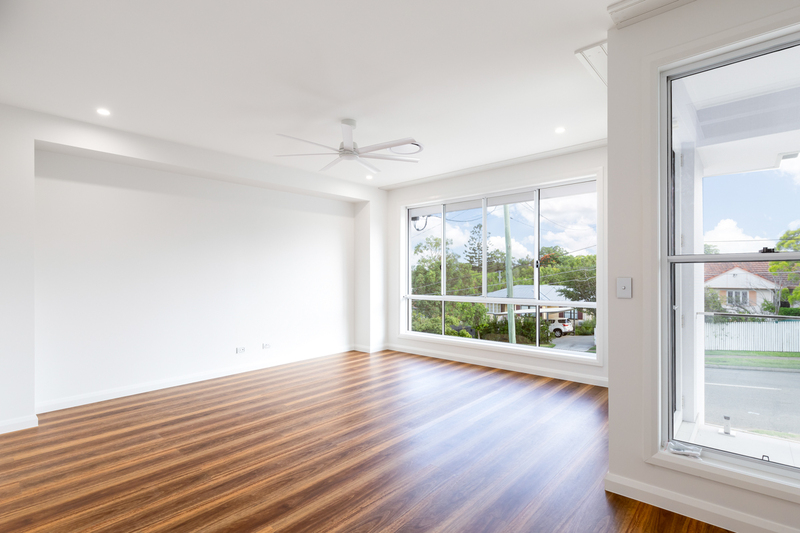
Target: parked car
pixel 561 326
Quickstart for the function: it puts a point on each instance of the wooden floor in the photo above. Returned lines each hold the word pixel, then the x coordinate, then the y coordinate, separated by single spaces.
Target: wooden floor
pixel 353 442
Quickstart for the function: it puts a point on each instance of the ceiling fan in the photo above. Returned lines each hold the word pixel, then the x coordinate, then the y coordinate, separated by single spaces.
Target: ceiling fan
pixel 350 151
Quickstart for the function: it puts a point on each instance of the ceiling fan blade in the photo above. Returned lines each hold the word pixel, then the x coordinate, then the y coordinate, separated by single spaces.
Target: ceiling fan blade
pixel 367 165
pixel 383 146
pixel 305 141
pixel 390 157
pixel 347 136
pixel 296 155
pixel 329 165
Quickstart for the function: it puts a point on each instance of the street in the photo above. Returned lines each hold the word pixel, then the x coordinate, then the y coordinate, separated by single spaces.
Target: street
pixel 754 399
pixel 575 343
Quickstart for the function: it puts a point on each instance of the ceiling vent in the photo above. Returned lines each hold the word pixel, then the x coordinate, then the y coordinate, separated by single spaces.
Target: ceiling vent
pixel 595 59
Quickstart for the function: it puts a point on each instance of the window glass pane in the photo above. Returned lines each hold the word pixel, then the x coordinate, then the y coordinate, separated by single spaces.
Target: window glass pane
pixel 513 259
pixel 464 234
pixel 426 316
pixel 496 323
pixel 737 357
pixel 735 143
pixel 568 256
pixel 570 328
pixel 466 319
pixel 425 251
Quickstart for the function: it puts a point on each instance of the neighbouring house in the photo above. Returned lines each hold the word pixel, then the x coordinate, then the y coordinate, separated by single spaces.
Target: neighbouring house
pixel 546 292
pixel 746 286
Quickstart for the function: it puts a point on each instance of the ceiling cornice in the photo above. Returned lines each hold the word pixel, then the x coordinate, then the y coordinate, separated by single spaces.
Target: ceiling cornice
pixel 600 143
pixel 627 12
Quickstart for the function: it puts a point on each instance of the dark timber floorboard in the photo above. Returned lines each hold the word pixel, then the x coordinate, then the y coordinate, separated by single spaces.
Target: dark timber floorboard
pixel 348 443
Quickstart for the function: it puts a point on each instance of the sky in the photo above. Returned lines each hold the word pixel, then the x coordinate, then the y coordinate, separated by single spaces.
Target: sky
pixel 745 212
pixel 567 221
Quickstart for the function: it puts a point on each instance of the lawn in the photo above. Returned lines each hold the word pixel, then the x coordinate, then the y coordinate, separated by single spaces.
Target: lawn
pixel 752 354
pixel 781 363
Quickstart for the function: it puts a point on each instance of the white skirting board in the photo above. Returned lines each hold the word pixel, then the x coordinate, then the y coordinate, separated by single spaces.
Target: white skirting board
pixel 516 367
pixel 724 517
pixel 16 424
pixel 119 392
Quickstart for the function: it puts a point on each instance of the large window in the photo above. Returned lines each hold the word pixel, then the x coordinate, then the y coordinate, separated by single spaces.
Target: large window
pixel 517 269
pixel 731 265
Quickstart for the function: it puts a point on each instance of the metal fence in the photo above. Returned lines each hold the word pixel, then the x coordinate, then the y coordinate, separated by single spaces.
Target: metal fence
pixel 777 336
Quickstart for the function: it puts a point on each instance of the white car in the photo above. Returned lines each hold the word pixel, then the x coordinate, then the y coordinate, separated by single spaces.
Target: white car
pixel 561 326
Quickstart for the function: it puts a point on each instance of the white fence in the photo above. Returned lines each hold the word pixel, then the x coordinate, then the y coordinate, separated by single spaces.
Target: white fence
pixel 780 336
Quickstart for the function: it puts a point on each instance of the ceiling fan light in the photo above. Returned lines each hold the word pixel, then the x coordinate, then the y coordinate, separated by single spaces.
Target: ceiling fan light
pixel 407 149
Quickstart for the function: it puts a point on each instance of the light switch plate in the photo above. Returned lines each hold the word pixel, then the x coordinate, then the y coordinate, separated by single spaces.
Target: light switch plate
pixel 624 288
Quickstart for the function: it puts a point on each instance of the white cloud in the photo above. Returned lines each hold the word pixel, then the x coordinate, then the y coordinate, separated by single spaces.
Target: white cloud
pixel 455 233
pixel 571 211
pixel 572 223
pixel 518 250
pixel 581 241
pixel 794 224
pixel 730 238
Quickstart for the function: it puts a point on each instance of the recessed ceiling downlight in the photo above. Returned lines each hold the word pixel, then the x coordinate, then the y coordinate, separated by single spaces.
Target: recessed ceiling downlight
pixel 103 111
pixel 407 149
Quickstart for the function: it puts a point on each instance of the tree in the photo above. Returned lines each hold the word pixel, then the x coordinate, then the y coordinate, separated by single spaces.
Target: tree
pixel 577 274
pixel 710 249
pixel 474 252
pixel 789 242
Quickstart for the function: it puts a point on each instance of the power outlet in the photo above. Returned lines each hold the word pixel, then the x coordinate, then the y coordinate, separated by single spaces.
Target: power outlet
pixel 265 346
pixel 240 349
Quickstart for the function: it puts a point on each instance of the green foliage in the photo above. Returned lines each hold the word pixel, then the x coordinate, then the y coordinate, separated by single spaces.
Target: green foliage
pixel 710 249
pixel 497 330
pixel 463 333
pixel 474 251
pixel 576 273
pixel 586 327
pixel 713 304
pixel 789 311
pixel 789 242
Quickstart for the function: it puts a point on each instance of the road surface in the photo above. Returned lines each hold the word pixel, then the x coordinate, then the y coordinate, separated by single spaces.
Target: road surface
pixel 754 399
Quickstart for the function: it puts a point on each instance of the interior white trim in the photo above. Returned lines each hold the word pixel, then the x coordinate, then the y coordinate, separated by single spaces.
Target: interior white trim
pixel 16 424
pixel 766 482
pixel 600 143
pixel 502 347
pixel 516 367
pixel 724 517
pixel 627 12
pixel 120 392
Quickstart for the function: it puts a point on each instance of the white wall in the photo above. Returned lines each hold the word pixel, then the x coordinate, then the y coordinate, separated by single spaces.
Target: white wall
pixel 547 169
pixel 23 131
pixel 146 278
pixel 636 53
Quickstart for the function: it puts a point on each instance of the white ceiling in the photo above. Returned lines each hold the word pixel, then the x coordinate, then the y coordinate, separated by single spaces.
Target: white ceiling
pixel 475 81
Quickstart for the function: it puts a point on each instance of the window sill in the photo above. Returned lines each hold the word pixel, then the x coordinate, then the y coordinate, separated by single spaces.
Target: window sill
pixel 476 344
pixel 734 473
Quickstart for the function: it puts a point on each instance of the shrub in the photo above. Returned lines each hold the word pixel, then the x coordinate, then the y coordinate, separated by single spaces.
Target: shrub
pixel 586 328
pixel 789 311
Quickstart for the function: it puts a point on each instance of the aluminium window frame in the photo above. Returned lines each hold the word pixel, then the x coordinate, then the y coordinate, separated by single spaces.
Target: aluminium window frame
pixel 775 479
pixel 487 200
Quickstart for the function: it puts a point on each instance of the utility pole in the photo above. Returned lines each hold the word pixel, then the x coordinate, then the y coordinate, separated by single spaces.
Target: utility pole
pixel 512 325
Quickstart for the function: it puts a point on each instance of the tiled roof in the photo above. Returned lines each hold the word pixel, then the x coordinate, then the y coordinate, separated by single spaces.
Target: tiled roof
pixel 758 268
